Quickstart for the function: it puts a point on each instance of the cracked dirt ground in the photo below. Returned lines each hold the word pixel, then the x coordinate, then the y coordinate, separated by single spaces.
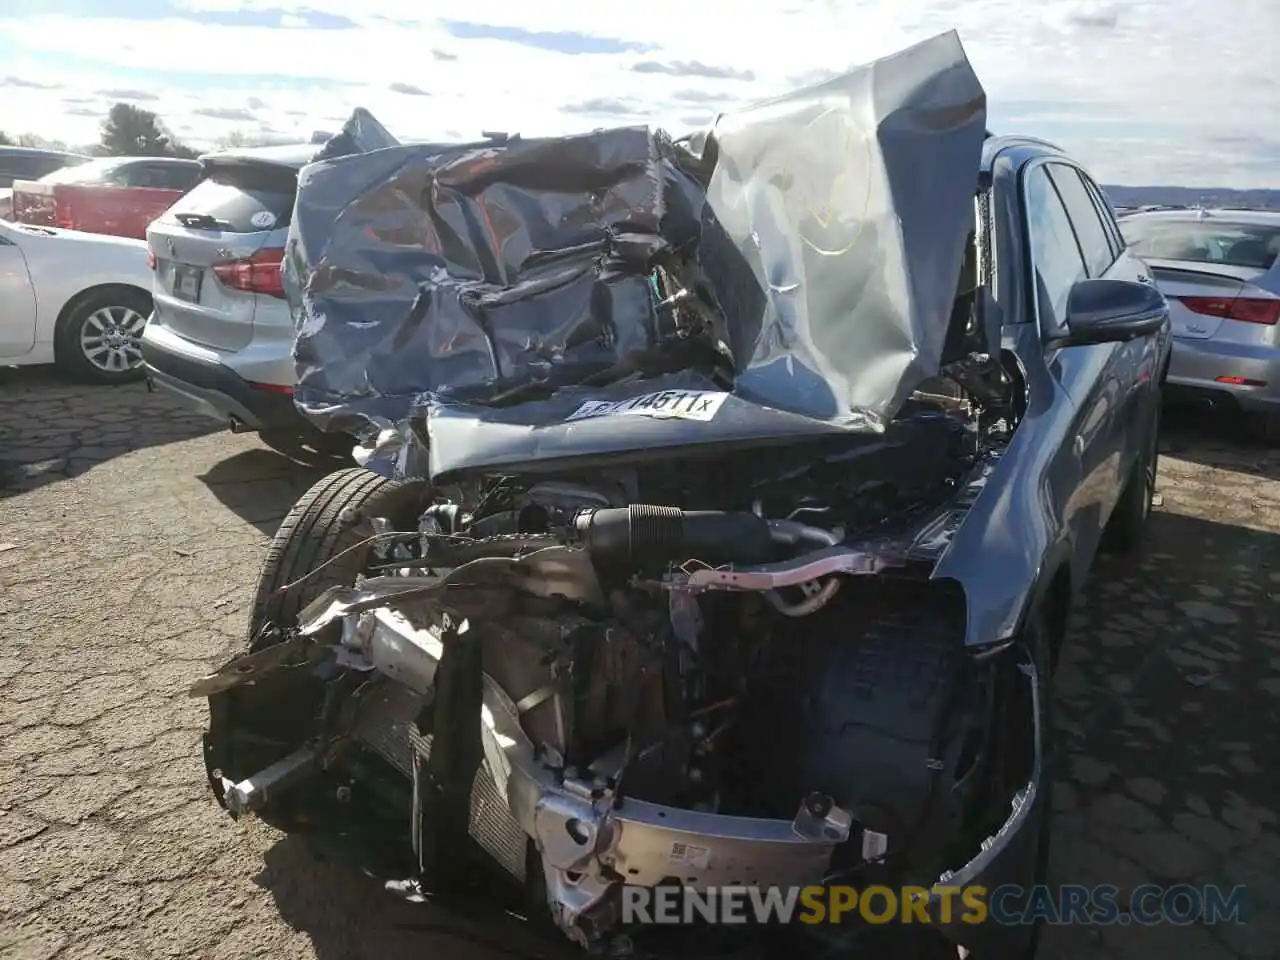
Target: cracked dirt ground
pixel 130 536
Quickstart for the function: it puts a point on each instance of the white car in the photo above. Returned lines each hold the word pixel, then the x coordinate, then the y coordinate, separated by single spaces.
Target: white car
pixel 80 300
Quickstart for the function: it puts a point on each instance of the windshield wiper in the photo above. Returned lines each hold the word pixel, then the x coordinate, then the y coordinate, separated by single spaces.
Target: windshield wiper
pixel 200 221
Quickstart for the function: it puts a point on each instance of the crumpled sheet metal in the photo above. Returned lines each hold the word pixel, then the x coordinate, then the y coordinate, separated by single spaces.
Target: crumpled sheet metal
pixel 851 201
pixel 462 286
pixel 463 271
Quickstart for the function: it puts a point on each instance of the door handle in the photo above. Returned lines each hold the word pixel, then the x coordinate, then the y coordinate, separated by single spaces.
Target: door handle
pixel 1078 445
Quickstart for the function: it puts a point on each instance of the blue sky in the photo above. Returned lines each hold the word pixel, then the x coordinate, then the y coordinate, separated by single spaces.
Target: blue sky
pixel 1145 91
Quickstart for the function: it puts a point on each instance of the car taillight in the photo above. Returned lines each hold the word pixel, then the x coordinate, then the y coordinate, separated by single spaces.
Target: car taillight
pixel 259 273
pixel 1246 309
pixel 272 387
pixel 63 217
pixel 151 259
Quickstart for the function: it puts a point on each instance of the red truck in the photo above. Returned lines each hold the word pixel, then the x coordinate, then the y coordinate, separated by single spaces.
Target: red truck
pixel 119 196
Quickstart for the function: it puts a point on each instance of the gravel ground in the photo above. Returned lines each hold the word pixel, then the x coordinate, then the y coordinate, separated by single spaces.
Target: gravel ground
pixel 130 535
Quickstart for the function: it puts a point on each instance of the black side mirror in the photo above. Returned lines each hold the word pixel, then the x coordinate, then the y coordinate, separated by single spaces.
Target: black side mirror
pixel 1112 311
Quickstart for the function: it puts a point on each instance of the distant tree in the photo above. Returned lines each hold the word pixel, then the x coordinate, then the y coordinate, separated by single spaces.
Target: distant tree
pixel 179 149
pixel 131 131
pixel 234 139
pixel 134 132
pixel 4 140
pixel 241 138
pixel 35 140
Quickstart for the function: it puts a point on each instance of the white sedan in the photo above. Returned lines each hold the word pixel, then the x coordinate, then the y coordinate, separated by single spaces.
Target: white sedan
pixel 79 300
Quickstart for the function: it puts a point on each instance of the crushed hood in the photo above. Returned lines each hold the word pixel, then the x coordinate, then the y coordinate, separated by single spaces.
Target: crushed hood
pixel 799 261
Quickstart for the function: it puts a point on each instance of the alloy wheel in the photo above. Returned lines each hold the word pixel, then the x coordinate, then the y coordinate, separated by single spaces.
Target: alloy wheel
pixel 111 339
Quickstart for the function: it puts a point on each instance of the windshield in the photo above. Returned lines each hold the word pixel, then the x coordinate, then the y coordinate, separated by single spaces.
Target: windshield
pixel 1204 241
pixel 94 171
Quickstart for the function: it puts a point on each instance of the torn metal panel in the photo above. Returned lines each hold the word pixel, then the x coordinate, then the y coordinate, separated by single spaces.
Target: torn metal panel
pixel 851 202
pixel 467 271
pixel 804 263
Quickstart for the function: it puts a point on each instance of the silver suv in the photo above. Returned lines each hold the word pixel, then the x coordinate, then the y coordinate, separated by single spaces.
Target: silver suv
pixel 221 337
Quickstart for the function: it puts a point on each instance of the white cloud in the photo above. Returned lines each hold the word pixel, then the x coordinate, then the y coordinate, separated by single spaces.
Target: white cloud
pixel 1143 91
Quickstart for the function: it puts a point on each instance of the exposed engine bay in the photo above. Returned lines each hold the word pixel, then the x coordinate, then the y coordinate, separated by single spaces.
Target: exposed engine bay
pixel 709 671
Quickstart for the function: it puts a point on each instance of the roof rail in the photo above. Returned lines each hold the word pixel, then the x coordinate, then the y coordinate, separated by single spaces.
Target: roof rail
pixel 1018 138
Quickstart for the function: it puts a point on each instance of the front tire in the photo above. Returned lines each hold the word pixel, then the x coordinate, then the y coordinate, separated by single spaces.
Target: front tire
pixel 99 340
pixel 1128 521
pixel 321 539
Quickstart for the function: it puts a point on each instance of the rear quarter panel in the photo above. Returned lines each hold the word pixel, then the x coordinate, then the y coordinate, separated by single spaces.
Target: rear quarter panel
pixel 64 264
pixel 32 203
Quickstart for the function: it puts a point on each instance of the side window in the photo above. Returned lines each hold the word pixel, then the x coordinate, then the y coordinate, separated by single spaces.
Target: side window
pixel 1056 262
pixel 1107 213
pixel 121 176
pixel 1083 213
pixel 174 176
pixel 163 176
pixel 143 175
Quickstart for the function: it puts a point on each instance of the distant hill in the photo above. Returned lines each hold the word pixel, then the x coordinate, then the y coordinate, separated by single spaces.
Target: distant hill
pixel 1193 197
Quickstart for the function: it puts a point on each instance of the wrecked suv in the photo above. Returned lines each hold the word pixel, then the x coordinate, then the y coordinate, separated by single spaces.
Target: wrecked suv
pixel 721 506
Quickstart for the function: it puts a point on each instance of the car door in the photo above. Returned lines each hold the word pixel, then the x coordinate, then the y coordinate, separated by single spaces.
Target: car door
pixel 17 300
pixel 119 202
pixel 1089 375
pixel 1142 355
pixel 1132 378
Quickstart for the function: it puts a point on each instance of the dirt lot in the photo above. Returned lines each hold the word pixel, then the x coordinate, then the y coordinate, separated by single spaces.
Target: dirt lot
pixel 130 535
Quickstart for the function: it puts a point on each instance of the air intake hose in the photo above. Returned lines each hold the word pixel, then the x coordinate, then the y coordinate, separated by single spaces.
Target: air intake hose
pixel 641 534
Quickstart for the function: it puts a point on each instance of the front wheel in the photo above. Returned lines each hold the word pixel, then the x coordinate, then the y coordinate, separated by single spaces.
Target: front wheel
pixel 321 542
pixel 100 339
pixel 1124 530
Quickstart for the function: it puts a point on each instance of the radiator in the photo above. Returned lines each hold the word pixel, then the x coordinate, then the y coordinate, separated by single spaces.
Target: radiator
pixel 384 724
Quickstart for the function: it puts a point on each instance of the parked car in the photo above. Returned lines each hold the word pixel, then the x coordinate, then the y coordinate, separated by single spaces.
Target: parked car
pixel 221 337
pixel 722 531
pixel 32 163
pixel 118 196
pixel 1220 272
pixel 29 163
pixel 79 300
